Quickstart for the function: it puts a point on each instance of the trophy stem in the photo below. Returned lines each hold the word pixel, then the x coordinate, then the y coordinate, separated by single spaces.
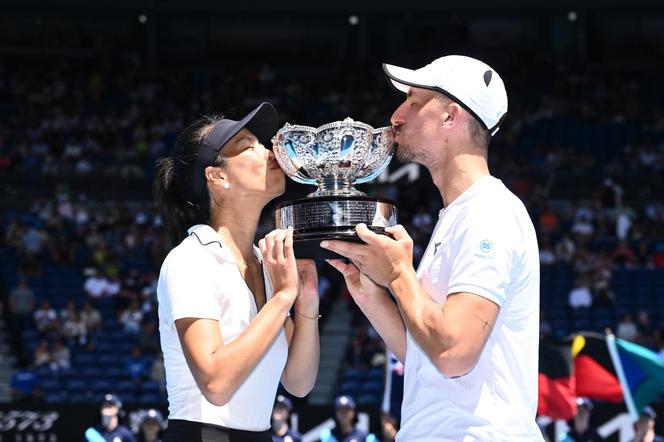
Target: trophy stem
pixel 335 186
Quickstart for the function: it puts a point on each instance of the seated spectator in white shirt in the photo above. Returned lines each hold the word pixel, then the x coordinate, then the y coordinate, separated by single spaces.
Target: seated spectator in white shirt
pixel 627 328
pixel 96 285
pixel 580 296
pixel 131 318
pixel 46 319
pixel 61 356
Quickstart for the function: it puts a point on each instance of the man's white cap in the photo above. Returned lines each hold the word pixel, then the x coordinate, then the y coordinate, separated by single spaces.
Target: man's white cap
pixel 467 81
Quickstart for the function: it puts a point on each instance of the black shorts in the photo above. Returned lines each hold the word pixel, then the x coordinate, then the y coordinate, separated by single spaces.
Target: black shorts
pixel 187 431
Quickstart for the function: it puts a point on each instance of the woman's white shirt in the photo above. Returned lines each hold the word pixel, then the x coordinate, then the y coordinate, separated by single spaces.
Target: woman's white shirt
pixel 200 279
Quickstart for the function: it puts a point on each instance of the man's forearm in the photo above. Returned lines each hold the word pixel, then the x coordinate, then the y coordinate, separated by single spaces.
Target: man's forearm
pixel 422 317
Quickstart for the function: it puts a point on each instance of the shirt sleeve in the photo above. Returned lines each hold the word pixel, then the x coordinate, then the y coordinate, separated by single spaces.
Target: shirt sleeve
pixel 187 287
pixel 483 250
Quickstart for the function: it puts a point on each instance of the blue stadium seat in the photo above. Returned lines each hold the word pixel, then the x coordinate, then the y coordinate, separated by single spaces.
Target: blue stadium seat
pixel 151 387
pixel 150 398
pixel 352 373
pixel 349 387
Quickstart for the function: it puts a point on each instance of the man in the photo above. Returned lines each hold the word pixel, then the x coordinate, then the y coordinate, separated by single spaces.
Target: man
pixel 466 323
pixel 280 420
pixel 110 429
pixel 644 427
pixel 582 428
pixel 345 418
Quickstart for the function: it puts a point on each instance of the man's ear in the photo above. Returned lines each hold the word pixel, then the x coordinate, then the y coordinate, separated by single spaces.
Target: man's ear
pixel 451 115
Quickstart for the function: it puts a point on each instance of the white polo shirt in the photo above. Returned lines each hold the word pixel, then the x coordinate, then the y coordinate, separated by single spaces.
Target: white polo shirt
pixel 200 279
pixel 484 243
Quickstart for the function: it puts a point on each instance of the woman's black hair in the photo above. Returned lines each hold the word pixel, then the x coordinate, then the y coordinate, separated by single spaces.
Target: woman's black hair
pixel 175 175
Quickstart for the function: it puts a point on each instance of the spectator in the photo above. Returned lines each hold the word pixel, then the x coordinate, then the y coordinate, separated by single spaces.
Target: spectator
pixel 623 255
pixel 280 421
pixel 644 427
pixel 23 383
pixel 627 328
pixel 345 418
pixel 42 354
pixel 565 249
pixel 46 319
pixel 136 365
pixel 603 274
pixel 95 285
pixel 21 305
pixel 150 426
pixel 389 427
pixel 73 327
pixel 131 318
pixel 91 317
pixel 157 370
pixel 61 356
pixel 580 296
pixel 582 427
pixel 148 338
pixel 110 428
pixel 549 222
pixel 646 329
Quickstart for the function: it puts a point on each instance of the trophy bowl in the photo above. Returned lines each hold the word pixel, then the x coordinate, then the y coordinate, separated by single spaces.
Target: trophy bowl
pixel 333 157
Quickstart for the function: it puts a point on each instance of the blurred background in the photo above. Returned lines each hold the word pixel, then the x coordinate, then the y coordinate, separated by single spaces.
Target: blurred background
pixel 92 93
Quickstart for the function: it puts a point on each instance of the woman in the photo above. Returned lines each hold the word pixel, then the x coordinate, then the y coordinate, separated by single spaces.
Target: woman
pixel 224 305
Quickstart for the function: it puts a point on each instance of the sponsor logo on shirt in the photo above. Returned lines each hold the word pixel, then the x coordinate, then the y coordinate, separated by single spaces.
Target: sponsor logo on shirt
pixel 486 245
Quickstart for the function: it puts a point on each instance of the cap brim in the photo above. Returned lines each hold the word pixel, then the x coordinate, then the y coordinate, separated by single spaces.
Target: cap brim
pixel 262 122
pixel 403 79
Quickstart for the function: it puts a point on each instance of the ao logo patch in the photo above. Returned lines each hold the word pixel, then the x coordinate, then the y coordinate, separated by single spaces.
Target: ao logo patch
pixel 486 245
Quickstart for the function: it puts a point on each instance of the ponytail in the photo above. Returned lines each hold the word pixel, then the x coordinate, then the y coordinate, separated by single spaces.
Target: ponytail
pixel 175 175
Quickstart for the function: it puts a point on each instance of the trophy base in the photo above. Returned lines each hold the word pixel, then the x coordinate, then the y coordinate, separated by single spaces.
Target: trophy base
pixel 315 219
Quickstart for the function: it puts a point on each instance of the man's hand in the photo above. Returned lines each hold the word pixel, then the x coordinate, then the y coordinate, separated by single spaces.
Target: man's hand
pixel 361 288
pixel 382 258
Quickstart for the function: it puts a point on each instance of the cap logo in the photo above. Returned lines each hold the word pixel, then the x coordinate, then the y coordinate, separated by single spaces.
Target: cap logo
pixel 487 77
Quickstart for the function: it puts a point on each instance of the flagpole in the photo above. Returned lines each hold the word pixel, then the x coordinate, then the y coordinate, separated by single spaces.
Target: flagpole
pixel 615 358
pixel 387 391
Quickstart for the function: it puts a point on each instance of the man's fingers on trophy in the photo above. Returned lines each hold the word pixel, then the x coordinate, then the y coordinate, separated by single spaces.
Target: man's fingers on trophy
pixel 346 269
pixel 343 248
pixel 398 232
pixel 262 247
pixel 365 233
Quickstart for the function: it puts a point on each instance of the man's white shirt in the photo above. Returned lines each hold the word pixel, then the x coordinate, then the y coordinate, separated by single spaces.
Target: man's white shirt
pixel 484 243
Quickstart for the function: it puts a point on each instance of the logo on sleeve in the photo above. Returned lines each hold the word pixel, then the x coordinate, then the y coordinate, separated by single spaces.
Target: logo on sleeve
pixel 486 245
pixel 435 247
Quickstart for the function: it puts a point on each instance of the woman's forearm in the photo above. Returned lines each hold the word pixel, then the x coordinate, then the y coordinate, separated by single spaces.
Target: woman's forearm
pixel 303 356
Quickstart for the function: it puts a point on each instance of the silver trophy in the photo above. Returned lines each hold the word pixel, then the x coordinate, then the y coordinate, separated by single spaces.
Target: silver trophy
pixel 334 157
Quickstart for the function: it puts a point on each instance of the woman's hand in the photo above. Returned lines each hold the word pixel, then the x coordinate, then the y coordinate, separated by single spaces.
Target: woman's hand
pixel 279 262
pixel 307 299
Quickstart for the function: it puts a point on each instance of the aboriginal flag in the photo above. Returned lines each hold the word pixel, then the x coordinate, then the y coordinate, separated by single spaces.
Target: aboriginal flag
pixel 616 370
pixel 596 376
pixel 556 383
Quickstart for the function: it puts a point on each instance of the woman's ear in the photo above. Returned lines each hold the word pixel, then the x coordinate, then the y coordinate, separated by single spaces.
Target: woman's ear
pixel 215 176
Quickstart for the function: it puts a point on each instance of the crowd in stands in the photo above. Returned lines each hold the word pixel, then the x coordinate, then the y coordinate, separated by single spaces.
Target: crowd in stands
pixel 585 154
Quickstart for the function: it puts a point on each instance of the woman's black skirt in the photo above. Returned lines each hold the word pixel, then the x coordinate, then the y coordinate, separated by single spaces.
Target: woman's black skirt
pixel 187 431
